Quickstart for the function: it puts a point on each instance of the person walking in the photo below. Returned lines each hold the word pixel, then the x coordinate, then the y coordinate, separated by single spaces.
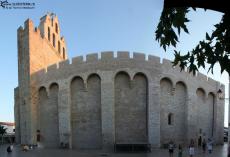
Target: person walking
pixel 209 145
pixel 180 151
pixel 191 149
pixel 8 149
pixel 25 148
pixel 204 144
pixel 171 148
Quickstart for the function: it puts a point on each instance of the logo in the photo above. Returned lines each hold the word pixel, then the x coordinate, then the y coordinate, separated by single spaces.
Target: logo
pixel 3 4
pixel 16 5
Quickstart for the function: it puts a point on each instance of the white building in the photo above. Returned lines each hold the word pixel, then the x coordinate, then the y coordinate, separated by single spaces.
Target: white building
pixel 10 131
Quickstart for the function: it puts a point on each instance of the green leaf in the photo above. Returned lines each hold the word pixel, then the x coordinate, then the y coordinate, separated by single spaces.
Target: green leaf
pixel 170 19
pixel 194 8
pixel 164 46
pixel 208 37
pixel 214 49
pixel 186 30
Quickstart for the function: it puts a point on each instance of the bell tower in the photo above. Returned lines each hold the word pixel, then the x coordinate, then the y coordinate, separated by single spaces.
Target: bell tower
pixel 38 47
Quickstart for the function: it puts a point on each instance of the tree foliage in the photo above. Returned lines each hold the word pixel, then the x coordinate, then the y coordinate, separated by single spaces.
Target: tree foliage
pixel 215 48
pixel 2 130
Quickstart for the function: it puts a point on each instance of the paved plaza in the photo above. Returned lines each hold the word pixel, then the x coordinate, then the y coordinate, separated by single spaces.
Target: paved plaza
pixel 219 151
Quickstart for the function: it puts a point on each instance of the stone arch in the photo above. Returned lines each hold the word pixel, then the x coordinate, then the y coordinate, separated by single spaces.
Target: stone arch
pixel 56 28
pixel 179 103
pixel 42 89
pixel 166 84
pixel 93 75
pixel 182 83
pixel 168 79
pixel 54 127
pixel 54 40
pixel 49 118
pixel 122 72
pixel 59 47
pixel 63 52
pixel 53 85
pixel 75 78
pixel 140 89
pixel 201 109
pixel 93 112
pixel 200 92
pixel 48 33
pixel 42 103
pixel 77 93
pixel 130 108
pixel 141 74
pixel 86 112
pixel 166 107
pixel 210 114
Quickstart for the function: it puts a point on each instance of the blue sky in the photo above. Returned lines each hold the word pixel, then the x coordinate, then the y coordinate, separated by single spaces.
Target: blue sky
pixel 93 26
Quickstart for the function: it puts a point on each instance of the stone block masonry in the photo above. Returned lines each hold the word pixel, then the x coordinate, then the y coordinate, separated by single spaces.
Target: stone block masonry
pixel 95 103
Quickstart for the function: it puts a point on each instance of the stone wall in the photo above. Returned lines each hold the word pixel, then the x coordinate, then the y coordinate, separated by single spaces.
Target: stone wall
pixel 96 102
pixel 166 97
pixel 173 112
pixel 130 109
pixel 130 100
pixel 86 113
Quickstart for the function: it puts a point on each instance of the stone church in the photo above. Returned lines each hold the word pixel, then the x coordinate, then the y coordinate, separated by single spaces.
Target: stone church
pixel 109 98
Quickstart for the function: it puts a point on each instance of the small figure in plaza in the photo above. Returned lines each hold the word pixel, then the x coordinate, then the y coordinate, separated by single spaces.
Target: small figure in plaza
pixel 25 148
pixel 209 145
pixel 171 148
pixel 180 151
pixel 200 141
pixel 204 144
pixel 192 142
pixel 191 148
pixel 9 149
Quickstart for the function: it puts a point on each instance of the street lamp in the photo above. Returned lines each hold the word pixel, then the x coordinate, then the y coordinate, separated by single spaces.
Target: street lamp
pixel 220 94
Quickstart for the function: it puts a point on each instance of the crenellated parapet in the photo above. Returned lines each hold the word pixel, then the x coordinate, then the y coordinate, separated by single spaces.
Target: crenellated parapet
pixel 122 61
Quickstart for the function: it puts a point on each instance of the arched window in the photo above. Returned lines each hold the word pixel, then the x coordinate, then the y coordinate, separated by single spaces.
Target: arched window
pixel 59 47
pixel 63 51
pixel 170 119
pixel 56 28
pixel 49 33
pixel 54 41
